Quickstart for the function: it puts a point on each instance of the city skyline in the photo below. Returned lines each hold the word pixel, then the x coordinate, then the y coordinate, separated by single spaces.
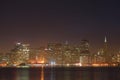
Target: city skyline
pixel 75 44
pixel 59 40
pixel 40 22
pixel 59 54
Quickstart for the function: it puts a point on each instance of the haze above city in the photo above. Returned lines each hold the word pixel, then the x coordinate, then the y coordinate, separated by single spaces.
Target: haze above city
pixel 41 22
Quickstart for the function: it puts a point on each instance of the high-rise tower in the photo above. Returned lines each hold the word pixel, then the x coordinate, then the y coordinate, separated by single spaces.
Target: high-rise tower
pixel 106 53
pixel 85 53
pixel 20 54
pixel 105 45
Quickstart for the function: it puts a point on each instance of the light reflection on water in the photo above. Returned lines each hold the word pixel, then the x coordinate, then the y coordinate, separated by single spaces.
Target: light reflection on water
pixel 43 73
pixel 22 75
pixel 52 77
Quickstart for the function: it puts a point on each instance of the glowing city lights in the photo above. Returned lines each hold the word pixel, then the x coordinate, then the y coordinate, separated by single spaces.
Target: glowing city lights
pixel 60 54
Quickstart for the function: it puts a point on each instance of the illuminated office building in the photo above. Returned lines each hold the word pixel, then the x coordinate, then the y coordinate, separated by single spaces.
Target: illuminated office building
pixel 85 57
pixel 54 53
pixel 106 52
pixel 99 58
pixel 20 54
pixel 116 58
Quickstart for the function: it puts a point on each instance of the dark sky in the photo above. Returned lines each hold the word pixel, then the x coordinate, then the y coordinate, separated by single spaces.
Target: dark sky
pixel 42 21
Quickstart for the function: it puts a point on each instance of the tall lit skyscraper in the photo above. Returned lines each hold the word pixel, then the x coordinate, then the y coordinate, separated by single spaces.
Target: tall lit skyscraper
pixel 85 57
pixel 106 52
pixel 20 54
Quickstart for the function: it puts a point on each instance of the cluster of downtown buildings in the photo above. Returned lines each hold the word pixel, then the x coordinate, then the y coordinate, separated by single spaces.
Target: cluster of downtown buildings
pixel 60 54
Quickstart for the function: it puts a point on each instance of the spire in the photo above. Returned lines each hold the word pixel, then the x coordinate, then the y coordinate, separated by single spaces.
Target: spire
pixel 105 40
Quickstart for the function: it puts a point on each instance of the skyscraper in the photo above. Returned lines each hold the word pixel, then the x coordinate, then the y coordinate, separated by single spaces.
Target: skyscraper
pixel 20 54
pixel 106 52
pixel 85 57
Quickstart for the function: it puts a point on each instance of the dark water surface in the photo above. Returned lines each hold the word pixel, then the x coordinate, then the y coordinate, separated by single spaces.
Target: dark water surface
pixel 74 73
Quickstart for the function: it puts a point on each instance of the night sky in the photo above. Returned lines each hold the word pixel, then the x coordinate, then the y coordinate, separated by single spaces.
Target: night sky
pixel 42 21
